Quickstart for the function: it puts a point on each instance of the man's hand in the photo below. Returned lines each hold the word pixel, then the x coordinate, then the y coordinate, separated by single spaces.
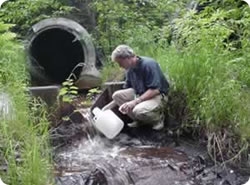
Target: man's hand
pixel 128 106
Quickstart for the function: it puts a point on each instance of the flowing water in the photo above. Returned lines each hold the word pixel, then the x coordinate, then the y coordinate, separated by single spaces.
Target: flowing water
pixel 137 156
pixel 100 161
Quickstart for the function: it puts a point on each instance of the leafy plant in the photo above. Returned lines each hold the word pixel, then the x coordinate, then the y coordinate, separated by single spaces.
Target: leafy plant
pixel 24 13
pixel 92 93
pixel 68 91
pixel 137 22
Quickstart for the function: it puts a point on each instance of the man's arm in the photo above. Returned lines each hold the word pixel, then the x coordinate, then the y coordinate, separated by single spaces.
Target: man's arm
pixel 149 94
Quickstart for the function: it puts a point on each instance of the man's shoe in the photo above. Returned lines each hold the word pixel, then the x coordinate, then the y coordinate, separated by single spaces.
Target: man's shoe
pixel 160 124
pixel 133 124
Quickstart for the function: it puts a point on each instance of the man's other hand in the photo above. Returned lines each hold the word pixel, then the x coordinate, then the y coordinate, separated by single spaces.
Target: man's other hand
pixel 127 107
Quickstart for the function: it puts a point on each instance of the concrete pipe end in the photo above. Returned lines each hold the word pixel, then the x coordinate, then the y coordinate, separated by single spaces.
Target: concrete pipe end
pixel 55 47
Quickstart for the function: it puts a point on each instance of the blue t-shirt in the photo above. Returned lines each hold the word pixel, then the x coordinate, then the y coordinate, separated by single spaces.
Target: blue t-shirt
pixel 146 75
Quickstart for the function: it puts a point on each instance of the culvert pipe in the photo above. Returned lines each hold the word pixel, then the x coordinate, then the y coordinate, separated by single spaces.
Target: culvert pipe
pixel 55 47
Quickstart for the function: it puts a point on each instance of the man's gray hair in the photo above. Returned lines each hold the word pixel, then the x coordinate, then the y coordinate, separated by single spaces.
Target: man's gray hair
pixel 122 51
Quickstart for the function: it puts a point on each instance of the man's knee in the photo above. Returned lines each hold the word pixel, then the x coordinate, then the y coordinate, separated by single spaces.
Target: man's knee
pixel 139 113
pixel 146 115
pixel 123 94
pixel 116 95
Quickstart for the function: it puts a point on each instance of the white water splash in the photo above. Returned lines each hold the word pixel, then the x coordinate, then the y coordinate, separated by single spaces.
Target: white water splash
pixel 92 149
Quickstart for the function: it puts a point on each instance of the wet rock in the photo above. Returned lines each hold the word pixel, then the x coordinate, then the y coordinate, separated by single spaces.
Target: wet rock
pixel 96 177
pixel 91 178
pixel 70 126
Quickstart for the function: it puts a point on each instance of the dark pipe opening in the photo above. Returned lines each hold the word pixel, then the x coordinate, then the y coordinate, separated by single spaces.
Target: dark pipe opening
pixel 57 51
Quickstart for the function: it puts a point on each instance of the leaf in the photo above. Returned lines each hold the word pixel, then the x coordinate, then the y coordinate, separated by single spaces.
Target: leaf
pixel 63 91
pixel 66 118
pixel 74 88
pixel 74 92
pixel 67 99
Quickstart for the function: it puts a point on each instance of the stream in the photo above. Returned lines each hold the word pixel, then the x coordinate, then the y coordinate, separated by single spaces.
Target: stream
pixel 137 156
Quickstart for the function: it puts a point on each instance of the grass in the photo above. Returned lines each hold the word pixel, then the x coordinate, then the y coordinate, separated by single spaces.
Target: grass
pixel 24 144
pixel 216 89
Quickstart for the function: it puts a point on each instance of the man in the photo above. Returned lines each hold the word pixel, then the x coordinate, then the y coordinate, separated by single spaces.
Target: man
pixel 146 89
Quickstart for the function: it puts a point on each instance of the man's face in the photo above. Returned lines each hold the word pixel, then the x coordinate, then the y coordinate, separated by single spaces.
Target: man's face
pixel 125 62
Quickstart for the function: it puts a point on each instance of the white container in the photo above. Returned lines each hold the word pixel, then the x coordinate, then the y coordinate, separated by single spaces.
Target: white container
pixel 1 182
pixel 107 122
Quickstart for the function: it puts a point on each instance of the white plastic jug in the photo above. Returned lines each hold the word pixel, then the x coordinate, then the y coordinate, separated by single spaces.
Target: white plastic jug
pixel 107 122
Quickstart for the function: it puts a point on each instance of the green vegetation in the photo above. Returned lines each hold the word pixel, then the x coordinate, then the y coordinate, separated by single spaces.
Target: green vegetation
pixel 23 14
pixel 68 91
pixel 204 52
pixel 24 139
pixel 23 125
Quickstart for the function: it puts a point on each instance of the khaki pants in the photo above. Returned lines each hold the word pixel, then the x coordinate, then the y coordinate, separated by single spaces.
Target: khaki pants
pixel 146 112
